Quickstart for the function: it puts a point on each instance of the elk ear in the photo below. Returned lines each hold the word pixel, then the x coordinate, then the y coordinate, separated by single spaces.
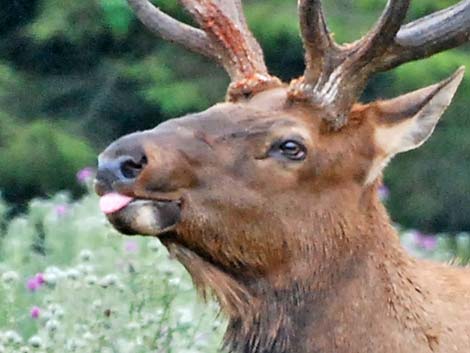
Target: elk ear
pixel 406 122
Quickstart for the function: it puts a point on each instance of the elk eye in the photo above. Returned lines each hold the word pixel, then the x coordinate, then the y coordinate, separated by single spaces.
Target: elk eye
pixel 293 150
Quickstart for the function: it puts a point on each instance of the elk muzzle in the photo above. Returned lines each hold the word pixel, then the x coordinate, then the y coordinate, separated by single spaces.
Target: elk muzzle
pixel 130 209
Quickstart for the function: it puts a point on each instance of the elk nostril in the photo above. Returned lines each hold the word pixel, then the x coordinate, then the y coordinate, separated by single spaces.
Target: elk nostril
pixel 131 169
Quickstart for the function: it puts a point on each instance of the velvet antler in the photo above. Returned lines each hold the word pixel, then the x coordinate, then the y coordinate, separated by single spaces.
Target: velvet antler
pixel 336 75
pixel 223 37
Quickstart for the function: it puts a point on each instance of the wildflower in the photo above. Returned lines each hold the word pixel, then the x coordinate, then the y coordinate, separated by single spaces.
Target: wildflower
pixel 108 280
pixel 12 337
pixel 2 348
pixel 50 278
pixel 55 308
pixel 91 280
pixel 61 210
pixel 74 344
pixel 85 175
pixel 73 274
pixel 131 246
pixel 425 241
pixel 35 312
pixel 32 284
pixel 35 342
pixel 52 325
pixel 153 245
pixel 24 350
pixel 39 278
pixel 174 282
pixel 88 336
pixel 85 255
pixel 10 277
pixel 85 269
pixel 96 305
pixel 384 192
pixel 133 325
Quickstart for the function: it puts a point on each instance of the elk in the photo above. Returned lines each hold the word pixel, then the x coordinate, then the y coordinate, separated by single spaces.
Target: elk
pixel 269 199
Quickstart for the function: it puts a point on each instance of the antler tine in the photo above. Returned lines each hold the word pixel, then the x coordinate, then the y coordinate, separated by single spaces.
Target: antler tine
pixel 172 30
pixel 319 46
pixel 224 37
pixel 336 86
pixel 383 34
pixel 429 35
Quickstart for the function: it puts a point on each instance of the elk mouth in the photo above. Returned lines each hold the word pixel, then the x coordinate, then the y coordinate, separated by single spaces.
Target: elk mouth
pixel 133 216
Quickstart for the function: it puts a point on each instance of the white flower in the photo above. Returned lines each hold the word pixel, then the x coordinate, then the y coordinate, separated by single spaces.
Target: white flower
pixel 108 280
pixel 2 349
pixel 85 255
pixel 71 345
pixel 174 282
pixel 12 337
pixel 50 278
pixel 55 270
pixel 154 245
pixel 72 274
pixel 56 310
pixel 96 305
pixel 133 325
pixel 52 325
pixel 10 277
pixel 91 280
pixel 185 315
pixel 24 350
pixel 35 342
pixel 86 269
pixel 88 336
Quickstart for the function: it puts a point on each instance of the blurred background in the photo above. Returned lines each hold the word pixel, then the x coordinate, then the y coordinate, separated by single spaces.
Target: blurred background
pixel 75 75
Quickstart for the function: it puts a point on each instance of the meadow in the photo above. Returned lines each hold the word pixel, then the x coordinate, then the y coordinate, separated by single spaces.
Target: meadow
pixel 70 283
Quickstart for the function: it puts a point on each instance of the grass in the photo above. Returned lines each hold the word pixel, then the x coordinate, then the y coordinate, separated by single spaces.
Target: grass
pixel 70 283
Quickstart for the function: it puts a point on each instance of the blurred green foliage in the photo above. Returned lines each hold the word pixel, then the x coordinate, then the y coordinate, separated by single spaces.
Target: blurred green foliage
pixel 89 70
pixel 37 160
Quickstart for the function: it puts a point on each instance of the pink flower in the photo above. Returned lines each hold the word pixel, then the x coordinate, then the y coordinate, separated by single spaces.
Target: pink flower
pixel 384 192
pixel 425 241
pixel 34 283
pixel 61 210
pixel 40 278
pixel 131 246
pixel 35 311
pixel 85 175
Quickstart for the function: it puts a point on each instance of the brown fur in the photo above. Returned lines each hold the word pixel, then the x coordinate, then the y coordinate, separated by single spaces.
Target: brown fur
pixel 300 255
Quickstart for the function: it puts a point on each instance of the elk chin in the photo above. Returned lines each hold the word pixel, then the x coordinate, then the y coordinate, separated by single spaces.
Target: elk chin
pixel 146 217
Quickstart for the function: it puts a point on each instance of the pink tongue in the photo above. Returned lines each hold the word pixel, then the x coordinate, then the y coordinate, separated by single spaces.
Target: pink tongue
pixel 113 202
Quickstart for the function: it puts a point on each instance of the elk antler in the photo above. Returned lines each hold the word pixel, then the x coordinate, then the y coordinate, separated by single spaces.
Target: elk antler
pixel 224 37
pixel 336 75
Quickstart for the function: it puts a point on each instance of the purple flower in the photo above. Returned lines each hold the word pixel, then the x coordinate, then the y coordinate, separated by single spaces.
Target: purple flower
pixel 61 210
pixel 384 192
pixel 39 278
pixel 35 311
pixel 131 246
pixel 425 241
pixel 34 283
pixel 85 175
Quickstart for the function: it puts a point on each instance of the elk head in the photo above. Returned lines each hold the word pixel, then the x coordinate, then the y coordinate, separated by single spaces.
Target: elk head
pixel 279 178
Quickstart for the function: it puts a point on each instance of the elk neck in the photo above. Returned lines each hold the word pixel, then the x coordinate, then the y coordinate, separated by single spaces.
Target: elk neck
pixel 361 284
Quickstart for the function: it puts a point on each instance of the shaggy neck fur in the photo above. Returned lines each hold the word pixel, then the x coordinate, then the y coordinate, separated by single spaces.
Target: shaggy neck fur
pixel 369 293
